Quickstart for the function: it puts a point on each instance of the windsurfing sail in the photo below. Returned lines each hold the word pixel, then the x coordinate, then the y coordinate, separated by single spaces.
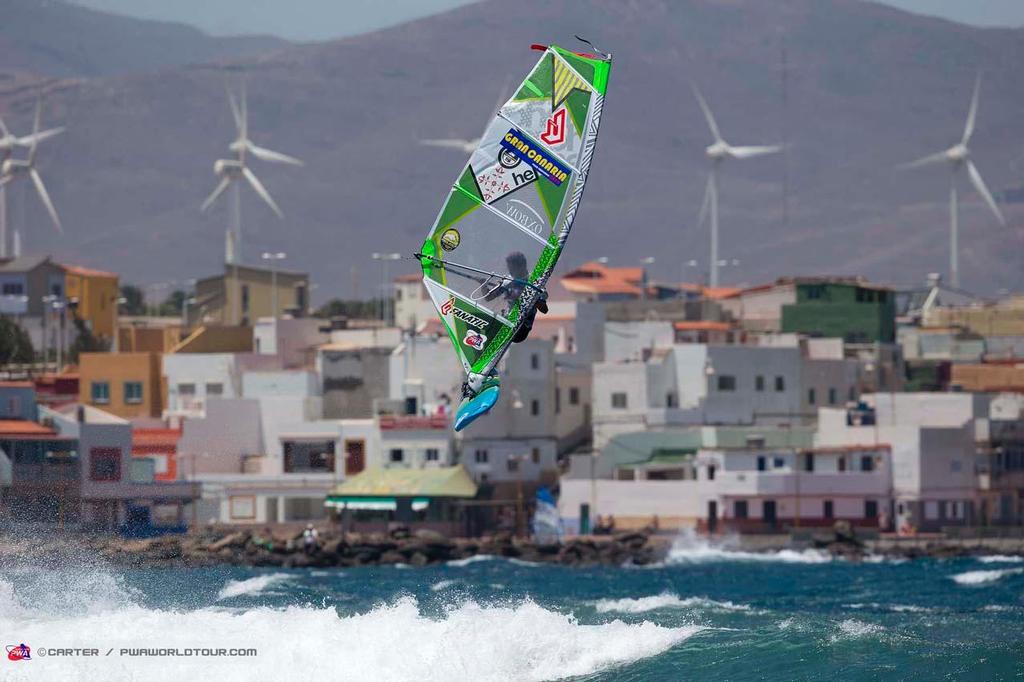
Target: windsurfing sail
pixel 499 234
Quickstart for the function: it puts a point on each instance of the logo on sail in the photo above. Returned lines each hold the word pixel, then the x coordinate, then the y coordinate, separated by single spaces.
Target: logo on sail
pixel 525 149
pixel 19 652
pixel 475 340
pixel 523 213
pixel 554 132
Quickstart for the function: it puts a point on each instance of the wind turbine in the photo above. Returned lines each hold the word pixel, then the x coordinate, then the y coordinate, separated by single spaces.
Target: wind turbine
pixel 959 156
pixel 717 152
pixel 12 168
pixel 231 171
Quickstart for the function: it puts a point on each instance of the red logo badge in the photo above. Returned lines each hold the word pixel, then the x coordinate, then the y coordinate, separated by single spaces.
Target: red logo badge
pixel 19 652
pixel 554 133
pixel 447 306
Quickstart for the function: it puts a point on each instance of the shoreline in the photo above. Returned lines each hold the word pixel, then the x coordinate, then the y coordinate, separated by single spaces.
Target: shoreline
pixel 423 547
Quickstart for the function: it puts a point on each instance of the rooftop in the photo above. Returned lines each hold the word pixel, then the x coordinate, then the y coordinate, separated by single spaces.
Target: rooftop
pixel 22 263
pixel 22 428
pixel 87 272
pixel 390 483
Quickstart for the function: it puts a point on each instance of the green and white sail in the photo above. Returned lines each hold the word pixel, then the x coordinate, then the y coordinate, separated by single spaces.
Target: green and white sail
pixel 517 195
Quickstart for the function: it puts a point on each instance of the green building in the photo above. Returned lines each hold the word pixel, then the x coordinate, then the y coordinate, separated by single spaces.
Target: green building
pixel 852 310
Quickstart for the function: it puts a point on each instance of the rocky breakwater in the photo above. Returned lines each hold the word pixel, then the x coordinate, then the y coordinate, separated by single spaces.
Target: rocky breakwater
pixel 400 546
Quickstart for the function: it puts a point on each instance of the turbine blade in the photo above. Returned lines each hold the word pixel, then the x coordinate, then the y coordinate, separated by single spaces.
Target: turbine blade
pixel 35 131
pixel 707 113
pixel 264 154
pixel 752 151
pixel 235 113
pixel 4 179
pixel 924 161
pixel 261 190
pixel 245 111
pixel 37 180
pixel 35 138
pixel 972 113
pixel 450 143
pixel 4 132
pixel 703 213
pixel 979 184
pixel 225 181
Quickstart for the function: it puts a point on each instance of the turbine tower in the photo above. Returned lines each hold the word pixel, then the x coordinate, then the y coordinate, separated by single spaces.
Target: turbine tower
pixel 958 157
pixel 717 152
pixel 232 170
pixel 11 168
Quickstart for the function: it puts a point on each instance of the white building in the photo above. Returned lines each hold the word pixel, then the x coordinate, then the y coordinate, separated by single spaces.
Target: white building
pixel 700 384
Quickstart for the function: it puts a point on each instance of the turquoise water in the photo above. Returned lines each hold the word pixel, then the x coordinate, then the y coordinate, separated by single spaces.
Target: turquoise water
pixel 705 614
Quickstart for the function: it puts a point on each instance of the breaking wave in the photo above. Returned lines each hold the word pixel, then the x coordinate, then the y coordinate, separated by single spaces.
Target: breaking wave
pixel 851 628
pixel 688 548
pixel 1000 559
pixel 523 641
pixel 251 587
pixel 665 600
pixel 985 577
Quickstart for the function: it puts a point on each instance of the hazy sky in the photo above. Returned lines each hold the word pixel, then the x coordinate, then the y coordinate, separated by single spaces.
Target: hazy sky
pixel 324 19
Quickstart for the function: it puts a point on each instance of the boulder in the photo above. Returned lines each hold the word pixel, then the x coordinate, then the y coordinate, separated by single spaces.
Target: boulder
pixel 232 540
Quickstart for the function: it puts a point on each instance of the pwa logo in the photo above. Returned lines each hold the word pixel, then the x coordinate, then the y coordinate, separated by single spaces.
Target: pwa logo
pixel 19 652
pixel 475 340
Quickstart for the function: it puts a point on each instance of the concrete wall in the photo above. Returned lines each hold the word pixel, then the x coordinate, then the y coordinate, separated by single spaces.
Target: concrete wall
pixel 353 379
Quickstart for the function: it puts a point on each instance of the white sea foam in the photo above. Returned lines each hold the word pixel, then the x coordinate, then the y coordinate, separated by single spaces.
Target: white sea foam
pixel 523 642
pixel 851 628
pixel 665 600
pixel 442 585
pixel 688 548
pixel 895 608
pixel 251 587
pixel 476 558
pixel 985 577
pixel 1000 559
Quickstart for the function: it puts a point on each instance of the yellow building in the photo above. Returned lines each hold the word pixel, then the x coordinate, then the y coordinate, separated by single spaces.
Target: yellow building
pixel 245 293
pixel 97 293
pixel 128 385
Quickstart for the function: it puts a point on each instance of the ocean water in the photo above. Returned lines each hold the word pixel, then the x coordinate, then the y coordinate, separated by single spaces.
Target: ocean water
pixel 706 613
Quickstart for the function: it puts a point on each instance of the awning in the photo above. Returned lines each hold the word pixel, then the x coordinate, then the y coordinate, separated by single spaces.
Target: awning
pixel 426 484
pixel 372 503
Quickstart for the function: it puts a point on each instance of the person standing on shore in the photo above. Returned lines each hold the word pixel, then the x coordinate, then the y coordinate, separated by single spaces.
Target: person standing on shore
pixel 310 539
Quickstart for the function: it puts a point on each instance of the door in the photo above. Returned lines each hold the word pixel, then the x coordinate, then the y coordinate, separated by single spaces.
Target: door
pixel 712 516
pixel 355 456
pixel 769 512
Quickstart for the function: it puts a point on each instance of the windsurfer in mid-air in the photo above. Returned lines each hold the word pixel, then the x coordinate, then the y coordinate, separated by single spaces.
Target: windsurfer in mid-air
pixel 511 290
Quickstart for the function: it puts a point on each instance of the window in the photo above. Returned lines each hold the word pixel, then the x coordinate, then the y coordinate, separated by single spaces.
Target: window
pixel 759 383
pixel 740 507
pixel 558 400
pixel 395 455
pixel 811 396
pixel 242 506
pixel 762 463
pixel 308 456
pixel 827 511
pixel 480 456
pixel 780 384
pixel 512 463
pixel 535 455
pixel 841 463
pixel 778 462
pixel 815 292
pixel 133 392
pixel 711 472
pixel 832 396
pixel 105 464
pixel 245 298
pixel 432 454
pixel 619 401
pixel 100 392
pixel 214 390
pixel 534 361
pixel 300 297
pixel 809 462
pixel 870 509
pixel 867 463
pixel 574 396
pixel 13 289
pixel 535 407
pixel 186 389
pixel 726 382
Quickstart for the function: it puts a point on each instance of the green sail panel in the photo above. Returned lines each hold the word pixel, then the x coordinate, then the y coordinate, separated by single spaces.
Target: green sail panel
pixel 502 228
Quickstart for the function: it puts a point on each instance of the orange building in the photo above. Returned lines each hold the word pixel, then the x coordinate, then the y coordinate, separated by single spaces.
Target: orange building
pixel 160 445
pixel 125 384
pixel 97 293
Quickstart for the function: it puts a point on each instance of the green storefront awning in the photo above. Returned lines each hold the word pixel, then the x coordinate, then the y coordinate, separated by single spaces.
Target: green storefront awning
pixel 381 488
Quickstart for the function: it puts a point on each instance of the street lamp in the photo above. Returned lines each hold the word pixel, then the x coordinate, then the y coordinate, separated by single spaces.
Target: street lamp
pixel 273 258
pixel 649 260
pixel 48 302
pixel 384 258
